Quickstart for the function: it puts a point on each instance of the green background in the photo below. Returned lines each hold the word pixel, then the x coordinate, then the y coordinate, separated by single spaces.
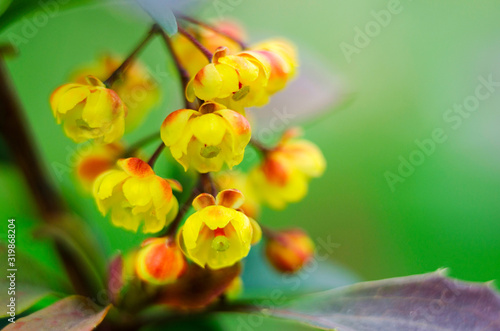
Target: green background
pixel 428 58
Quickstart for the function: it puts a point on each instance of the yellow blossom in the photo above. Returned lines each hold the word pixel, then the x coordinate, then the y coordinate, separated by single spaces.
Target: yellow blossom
pixel 89 111
pixel 284 174
pixel 136 87
pixel 208 138
pixel 135 195
pixel 217 235
pixel 228 76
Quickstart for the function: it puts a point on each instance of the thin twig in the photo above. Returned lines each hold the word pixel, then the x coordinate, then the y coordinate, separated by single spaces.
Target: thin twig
pixel 195 42
pixel 183 73
pixel 155 155
pixel 212 28
pixel 207 184
pixel 141 143
pixel 116 74
pixel 260 147
pixel 172 229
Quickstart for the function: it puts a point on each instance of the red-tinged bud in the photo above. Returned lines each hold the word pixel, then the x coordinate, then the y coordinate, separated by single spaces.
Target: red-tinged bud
pixel 289 250
pixel 160 261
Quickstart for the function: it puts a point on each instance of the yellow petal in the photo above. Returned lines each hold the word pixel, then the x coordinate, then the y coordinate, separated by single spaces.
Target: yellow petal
pixel 247 71
pixel 203 200
pixel 209 129
pixel 136 167
pixel 136 191
pixel 230 82
pixel 174 125
pixel 122 217
pixel 230 198
pixel 66 99
pixel 98 109
pixel 256 231
pixel 105 183
pixel 207 83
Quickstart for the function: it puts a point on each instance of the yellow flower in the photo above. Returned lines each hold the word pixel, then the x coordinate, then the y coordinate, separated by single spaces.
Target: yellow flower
pixel 284 174
pixel 276 61
pixel 160 261
pixel 135 195
pixel 190 56
pixel 89 111
pixel 289 250
pixel 279 60
pixel 232 76
pixel 136 87
pixel 282 58
pixel 217 235
pixel 98 160
pixel 208 138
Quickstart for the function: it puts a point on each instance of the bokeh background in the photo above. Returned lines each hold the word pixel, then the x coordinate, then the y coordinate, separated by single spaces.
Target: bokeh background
pixel 395 90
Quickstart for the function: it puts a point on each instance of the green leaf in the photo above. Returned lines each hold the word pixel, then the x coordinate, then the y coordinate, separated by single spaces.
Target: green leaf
pixel 162 13
pixel 429 302
pixel 23 8
pixel 75 313
pixel 4 4
pixel 25 297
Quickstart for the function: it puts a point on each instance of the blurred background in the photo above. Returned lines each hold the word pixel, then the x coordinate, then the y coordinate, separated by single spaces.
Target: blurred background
pixel 402 66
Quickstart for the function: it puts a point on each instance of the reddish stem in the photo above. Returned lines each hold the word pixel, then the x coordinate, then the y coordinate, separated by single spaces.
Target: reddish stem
pixel 214 29
pixel 117 73
pixel 155 155
pixel 195 42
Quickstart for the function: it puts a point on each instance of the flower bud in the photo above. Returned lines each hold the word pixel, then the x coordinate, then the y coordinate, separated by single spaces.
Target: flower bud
pixel 289 250
pixel 160 261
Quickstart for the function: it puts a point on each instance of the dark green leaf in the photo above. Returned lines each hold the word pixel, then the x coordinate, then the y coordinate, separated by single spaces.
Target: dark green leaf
pixel 23 8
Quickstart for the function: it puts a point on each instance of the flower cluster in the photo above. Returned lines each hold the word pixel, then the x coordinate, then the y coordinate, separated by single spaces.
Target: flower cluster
pixel 207 137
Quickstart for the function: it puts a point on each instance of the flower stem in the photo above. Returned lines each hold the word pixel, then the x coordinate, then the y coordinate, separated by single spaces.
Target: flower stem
pixel 155 155
pixel 117 73
pixel 195 42
pixel 172 229
pixel 142 142
pixel 260 147
pixel 214 29
pixel 183 73
pixel 207 184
